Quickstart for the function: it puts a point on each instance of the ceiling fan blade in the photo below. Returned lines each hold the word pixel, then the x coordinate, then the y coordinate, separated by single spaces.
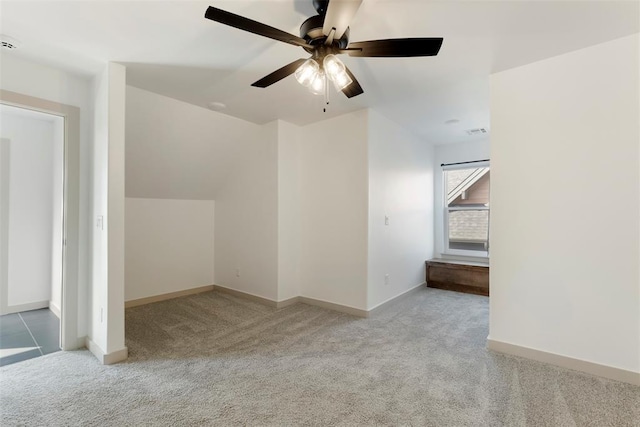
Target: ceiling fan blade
pixel 252 26
pixel 279 74
pixel 339 15
pixel 354 89
pixel 395 47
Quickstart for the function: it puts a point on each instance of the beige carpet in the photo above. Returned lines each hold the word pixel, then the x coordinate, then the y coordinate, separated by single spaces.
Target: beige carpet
pixel 213 359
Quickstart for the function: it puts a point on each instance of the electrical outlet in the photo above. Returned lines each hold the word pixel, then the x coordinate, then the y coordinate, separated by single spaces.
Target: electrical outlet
pixel 237 272
pixel 386 280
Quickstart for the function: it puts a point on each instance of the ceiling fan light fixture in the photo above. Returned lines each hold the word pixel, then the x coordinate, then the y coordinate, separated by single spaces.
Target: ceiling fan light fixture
pixel 307 72
pixel 318 84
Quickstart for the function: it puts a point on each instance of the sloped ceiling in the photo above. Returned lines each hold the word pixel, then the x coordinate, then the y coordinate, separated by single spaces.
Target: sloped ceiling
pixel 171 49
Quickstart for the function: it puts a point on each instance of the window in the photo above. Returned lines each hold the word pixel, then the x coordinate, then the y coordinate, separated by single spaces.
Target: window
pixel 467 209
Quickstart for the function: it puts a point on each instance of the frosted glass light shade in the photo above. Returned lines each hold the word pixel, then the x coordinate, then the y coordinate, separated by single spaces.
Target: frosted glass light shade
pixel 332 66
pixel 318 84
pixel 341 81
pixel 336 72
pixel 307 72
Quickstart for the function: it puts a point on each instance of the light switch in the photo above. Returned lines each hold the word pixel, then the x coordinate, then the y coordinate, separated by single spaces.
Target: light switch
pixel 100 222
pixel 386 220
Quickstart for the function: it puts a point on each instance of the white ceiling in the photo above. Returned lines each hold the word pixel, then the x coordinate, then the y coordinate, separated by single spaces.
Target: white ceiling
pixel 170 48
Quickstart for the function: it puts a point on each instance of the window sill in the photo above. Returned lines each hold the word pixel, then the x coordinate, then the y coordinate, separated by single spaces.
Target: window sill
pixel 476 259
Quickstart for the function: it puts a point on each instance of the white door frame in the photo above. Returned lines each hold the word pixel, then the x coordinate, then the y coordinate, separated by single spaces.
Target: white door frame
pixel 71 208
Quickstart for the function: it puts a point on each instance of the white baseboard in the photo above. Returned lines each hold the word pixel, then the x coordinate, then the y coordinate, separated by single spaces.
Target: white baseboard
pixel 81 343
pixel 592 368
pixel 164 297
pixel 25 307
pixel 383 303
pixel 291 301
pixel 55 309
pixel 335 307
pixel 287 302
pixel 245 295
pixel 106 358
pixel 269 302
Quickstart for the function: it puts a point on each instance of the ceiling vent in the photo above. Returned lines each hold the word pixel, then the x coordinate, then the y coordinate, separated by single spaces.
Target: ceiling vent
pixel 7 42
pixel 477 131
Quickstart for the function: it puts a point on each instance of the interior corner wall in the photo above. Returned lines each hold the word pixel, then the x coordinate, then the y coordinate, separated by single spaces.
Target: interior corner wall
pixel 400 189
pixel 41 81
pixel 452 153
pixel 168 246
pixel 333 210
pixel 289 139
pixel 565 205
pixel 246 219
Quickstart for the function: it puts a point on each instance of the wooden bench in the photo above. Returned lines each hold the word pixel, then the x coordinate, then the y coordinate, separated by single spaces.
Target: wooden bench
pixel 460 276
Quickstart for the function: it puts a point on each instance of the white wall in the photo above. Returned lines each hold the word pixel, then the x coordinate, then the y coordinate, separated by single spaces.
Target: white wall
pixel 32 79
pixel 400 188
pixel 333 210
pixel 565 205
pixel 168 246
pixel 246 220
pixel 178 153
pixel 177 150
pixel 289 139
pixel 452 153
pixel 33 192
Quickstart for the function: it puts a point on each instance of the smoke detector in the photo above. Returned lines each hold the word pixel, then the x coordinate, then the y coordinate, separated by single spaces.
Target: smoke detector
pixel 477 131
pixel 9 43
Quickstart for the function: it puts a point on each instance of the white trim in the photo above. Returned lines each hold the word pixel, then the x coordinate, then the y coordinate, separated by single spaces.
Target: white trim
pixel 246 295
pixel 291 301
pixel 413 288
pixel 358 312
pixel 5 153
pixel 163 297
pixel 71 206
pixel 592 368
pixel 55 309
pixel 465 253
pixel 464 258
pixel 24 307
pixel 106 358
pixel 287 302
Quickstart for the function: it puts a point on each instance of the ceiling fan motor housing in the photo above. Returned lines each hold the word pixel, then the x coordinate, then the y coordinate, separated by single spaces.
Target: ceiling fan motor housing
pixel 321 6
pixel 311 31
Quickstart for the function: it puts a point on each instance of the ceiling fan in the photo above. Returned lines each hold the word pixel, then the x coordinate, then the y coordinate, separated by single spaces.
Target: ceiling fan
pixel 324 36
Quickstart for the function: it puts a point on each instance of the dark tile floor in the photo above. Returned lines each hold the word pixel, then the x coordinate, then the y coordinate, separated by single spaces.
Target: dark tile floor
pixel 27 335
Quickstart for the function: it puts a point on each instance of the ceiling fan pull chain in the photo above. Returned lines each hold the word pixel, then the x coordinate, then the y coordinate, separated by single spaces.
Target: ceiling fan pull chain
pixel 326 93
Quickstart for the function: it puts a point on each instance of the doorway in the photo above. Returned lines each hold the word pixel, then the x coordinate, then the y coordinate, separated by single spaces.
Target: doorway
pixel 70 310
pixel 31 227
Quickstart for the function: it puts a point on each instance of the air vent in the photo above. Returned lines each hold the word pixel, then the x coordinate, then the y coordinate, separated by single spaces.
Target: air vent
pixel 7 42
pixel 478 131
